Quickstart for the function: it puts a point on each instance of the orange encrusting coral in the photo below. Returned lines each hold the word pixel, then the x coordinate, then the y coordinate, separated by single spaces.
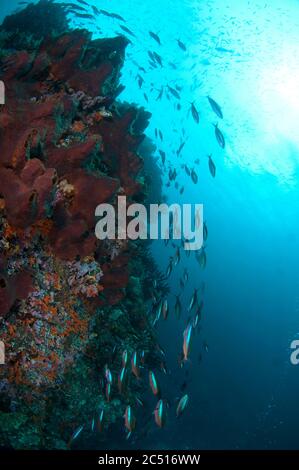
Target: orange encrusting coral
pixel 63 150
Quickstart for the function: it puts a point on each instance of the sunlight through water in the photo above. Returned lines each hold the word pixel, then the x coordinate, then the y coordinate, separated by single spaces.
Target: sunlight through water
pixel 256 78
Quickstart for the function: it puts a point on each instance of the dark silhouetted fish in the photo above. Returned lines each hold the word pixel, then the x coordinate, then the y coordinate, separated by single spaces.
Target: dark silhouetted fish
pixel 73 6
pixel 178 307
pixel 140 81
pixel 177 257
pixel 169 268
pixel 116 16
pixel 219 136
pixel 194 176
pixel 179 150
pixel 151 55
pixel 106 13
pixel 181 45
pixel 160 95
pixel 205 231
pixel 183 386
pixel 194 113
pixel 86 16
pixel 172 174
pixel 223 49
pixel 153 64
pixel 201 258
pixel 111 15
pixel 212 166
pixel 127 30
pixel 187 170
pixel 174 92
pixel 95 10
pixel 215 107
pixel 158 58
pixel 155 37
pixel 163 156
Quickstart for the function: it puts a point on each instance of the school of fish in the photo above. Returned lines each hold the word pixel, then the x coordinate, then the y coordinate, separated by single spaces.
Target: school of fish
pixel 133 363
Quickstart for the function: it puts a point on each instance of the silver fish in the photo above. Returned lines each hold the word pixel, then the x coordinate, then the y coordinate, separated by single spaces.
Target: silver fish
pixel 182 405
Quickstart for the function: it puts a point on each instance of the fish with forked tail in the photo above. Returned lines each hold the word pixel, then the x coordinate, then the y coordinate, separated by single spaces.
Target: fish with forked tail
pixel 187 341
pixel 153 383
pixel 182 405
pixel 130 420
pixel 215 107
pixel 160 413
pixel 219 136
pixel 212 166
pixel 195 113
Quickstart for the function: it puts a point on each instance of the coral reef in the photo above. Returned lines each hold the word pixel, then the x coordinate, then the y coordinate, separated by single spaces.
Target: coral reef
pixel 69 304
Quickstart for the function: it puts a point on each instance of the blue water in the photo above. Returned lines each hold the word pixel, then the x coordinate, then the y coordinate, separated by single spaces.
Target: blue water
pixel 244 393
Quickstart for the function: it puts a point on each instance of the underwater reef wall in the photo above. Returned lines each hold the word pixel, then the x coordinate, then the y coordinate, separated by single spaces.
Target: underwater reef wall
pixel 70 305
